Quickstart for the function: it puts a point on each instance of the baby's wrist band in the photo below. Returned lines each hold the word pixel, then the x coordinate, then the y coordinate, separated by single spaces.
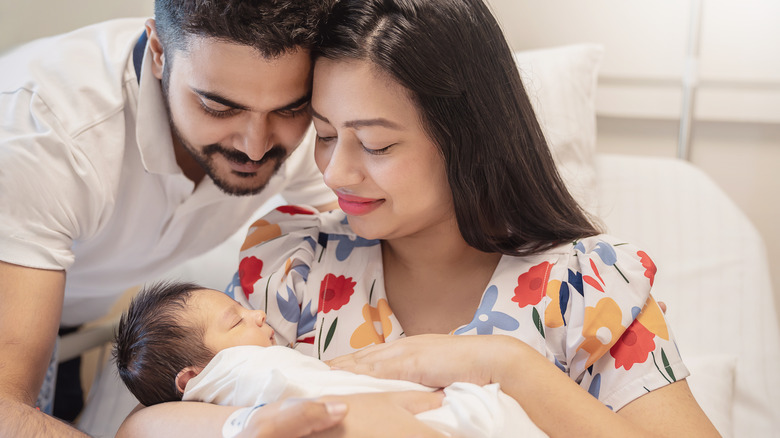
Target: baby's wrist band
pixel 238 420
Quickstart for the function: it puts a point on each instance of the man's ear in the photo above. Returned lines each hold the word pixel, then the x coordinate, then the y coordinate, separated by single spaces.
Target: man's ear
pixel 158 57
pixel 185 375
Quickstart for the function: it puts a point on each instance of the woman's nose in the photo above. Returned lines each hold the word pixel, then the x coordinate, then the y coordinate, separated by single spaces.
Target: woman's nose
pixel 341 169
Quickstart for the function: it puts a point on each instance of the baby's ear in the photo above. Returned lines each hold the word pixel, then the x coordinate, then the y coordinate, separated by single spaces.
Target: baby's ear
pixel 184 376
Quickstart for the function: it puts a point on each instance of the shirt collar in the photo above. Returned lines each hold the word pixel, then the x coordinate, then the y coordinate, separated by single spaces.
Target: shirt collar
pixel 153 131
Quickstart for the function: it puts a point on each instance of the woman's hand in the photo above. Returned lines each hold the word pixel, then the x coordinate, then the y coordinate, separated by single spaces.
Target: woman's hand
pixel 433 360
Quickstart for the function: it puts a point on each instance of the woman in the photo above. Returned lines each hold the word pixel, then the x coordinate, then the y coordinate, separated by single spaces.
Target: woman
pixel 459 223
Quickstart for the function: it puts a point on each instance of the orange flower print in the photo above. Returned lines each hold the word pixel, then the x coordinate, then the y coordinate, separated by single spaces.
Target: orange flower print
pixel 601 329
pixel 367 333
pixel 259 232
pixel 648 264
pixel 335 292
pixel 653 320
pixel 552 314
pixel 531 285
pixel 249 270
pixel 633 347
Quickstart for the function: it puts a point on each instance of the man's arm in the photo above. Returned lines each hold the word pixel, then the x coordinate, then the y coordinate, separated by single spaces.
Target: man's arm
pixel 29 317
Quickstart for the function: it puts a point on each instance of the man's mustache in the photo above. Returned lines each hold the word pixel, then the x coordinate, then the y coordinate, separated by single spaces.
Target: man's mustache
pixel 277 152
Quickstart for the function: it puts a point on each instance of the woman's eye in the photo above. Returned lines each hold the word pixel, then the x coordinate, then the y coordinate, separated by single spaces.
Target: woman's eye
pixel 294 112
pixel 379 151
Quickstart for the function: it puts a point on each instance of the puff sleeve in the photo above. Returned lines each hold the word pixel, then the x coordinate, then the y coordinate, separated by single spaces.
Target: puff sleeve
pixel 274 263
pixel 603 326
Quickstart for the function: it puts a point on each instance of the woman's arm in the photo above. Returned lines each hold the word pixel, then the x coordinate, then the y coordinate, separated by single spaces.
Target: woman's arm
pixel 551 399
pixel 378 414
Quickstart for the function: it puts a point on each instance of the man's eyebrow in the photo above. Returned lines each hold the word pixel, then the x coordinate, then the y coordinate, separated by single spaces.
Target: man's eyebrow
pixel 227 102
pixel 220 100
pixel 379 121
pixel 296 104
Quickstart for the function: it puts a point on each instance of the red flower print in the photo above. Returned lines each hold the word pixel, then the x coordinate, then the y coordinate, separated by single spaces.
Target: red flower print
pixel 633 347
pixel 531 286
pixel 592 281
pixel 648 264
pixel 248 273
pixel 335 292
pixel 293 210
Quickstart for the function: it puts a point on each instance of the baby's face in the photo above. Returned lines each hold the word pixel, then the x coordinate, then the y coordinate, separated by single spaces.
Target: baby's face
pixel 228 324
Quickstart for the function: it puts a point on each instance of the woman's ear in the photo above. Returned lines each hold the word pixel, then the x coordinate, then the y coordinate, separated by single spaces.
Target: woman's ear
pixel 185 375
pixel 156 46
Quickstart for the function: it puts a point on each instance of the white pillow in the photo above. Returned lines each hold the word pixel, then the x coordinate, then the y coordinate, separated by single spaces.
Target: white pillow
pixel 712 385
pixel 561 83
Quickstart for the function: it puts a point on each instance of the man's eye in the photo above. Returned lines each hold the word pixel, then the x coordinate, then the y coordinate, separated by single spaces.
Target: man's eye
pixel 217 113
pixel 293 112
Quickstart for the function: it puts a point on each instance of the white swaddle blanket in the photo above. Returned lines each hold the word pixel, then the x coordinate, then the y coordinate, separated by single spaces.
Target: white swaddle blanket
pixel 250 375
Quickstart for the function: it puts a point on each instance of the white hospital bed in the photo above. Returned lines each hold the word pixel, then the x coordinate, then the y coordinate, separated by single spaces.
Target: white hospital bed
pixel 712 266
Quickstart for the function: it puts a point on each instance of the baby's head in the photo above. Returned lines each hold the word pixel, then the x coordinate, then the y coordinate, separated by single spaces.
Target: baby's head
pixel 172 330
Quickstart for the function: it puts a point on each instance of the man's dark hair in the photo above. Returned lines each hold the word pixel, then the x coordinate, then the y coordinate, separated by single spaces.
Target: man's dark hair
pixel 272 27
pixel 154 343
pixel 453 58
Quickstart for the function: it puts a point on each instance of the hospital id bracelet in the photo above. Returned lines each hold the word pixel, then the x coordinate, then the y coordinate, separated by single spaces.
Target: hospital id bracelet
pixel 238 420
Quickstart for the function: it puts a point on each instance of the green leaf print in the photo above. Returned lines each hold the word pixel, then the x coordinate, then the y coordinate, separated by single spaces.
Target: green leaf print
pixel 666 365
pixel 330 334
pixel 538 322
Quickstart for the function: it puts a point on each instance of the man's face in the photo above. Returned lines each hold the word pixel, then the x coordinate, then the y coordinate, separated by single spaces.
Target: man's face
pixel 235 115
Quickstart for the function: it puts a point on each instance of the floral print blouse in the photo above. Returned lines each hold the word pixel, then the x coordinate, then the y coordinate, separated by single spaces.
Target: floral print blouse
pixel 586 306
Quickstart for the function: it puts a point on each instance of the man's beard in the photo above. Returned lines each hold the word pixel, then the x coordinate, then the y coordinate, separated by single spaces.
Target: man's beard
pixel 277 153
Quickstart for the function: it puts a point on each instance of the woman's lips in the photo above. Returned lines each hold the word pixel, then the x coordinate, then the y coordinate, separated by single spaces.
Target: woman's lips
pixel 357 206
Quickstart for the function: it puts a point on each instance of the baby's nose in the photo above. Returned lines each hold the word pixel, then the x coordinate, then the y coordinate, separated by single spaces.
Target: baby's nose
pixel 260 317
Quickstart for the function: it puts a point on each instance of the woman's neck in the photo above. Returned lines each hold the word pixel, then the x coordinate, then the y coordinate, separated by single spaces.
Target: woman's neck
pixel 434 281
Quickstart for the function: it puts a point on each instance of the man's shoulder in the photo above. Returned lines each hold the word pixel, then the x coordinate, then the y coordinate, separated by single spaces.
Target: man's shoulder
pixel 78 75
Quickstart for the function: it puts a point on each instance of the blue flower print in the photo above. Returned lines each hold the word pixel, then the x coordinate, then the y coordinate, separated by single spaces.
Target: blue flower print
pixel 345 245
pixel 307 321
pixel 485 319
pixel 230 290
pixel 606 252
pixel 575 279
pixel 289 307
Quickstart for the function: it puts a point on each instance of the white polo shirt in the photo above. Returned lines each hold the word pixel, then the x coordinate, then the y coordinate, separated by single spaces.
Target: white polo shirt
pixel 88 178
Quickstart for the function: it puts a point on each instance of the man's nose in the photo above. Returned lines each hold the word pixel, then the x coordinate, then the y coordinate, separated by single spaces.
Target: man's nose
pixel 255 139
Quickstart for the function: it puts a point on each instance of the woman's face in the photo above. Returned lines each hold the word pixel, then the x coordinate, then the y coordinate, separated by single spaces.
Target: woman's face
pixel 372 150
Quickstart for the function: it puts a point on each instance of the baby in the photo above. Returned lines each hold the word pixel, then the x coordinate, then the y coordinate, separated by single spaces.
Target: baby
pixel 179 341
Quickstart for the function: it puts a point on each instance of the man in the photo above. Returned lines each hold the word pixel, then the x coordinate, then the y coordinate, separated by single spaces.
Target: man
pixel 125 151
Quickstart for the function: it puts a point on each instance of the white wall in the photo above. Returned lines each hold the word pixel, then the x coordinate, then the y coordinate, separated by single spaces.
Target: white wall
pixel 735 132
pixel 23 20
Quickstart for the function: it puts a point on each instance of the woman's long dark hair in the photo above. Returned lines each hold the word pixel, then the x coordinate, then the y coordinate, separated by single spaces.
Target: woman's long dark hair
pixel 453 57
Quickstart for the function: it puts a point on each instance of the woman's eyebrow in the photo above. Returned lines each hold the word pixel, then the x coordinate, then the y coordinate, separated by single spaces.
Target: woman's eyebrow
pixel 360 123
